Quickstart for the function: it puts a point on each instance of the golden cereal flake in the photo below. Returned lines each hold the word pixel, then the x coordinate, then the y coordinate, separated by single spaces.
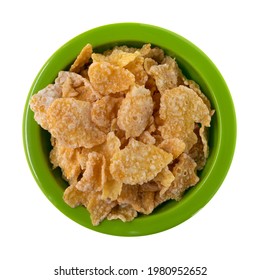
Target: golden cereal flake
pixel 73 197
pixel 138 163
pixel 111 187
pixel 143 51
pixel 135 111
pixel 105 110
pixel 151 85
pixel 194 86
pixel 142 202
pixel 148 63
pixel 156 54
pixel 147 138
pixel 68 160
pixel 98 208
pixel 136 67
pixel 83 156
pixel 81 59
pixel 185 177
pixel 94 176
pixel 74 85
pixel 76 79
pixel 69 121
pixel 119 133
pixel 147 202
pixel 164 179
pixel 180 109
pixel 87 93
pixel 124 212
pixel 107 78
pixel 165 74
pixel 67 89
pixel 203 132
pixel 41 101
pixel 200 150
pixel 175 146
pixel 150 186
pixel 117 57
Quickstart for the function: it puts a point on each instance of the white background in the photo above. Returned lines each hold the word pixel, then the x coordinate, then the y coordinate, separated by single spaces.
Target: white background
pixel 224 235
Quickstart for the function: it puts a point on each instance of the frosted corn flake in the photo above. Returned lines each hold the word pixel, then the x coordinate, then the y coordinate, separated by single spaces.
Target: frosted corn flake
pixel 98 208
pixel 194 86
pixel 69 121
pixel 41 101
pixel 164 179
pixel 180 109
pixel 175 146
pixel 104 111
pixel 124 212
pixel 128 130
pixel 94 176
pixel 67 89
pixel 73 197
pixel 117 57
pixel 68 160
pixel 147 138
pixel 107 78
pixel 185 177
pixel 81 59
pixel 138 163
pixel 112 188
pixel 199 151
pixel 165 74
pixel 156 54
pixel 148 63
pixel 135 111
pixel 136 67
pixel 71 79
pixel 150 186
pixel 203 132
pixel 142 202
pixel 74 85
pixel 143 51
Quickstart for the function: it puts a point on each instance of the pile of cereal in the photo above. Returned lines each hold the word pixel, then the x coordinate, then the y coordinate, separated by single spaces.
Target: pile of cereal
pixel 128 130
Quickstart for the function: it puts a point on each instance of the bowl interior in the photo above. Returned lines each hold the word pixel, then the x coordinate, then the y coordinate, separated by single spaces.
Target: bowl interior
pixel 195 65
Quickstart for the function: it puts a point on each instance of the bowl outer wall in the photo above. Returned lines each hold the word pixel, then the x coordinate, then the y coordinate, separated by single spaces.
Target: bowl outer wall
pixel 196 65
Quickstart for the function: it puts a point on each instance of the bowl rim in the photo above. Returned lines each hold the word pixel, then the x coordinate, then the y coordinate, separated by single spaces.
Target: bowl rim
pixel 225 117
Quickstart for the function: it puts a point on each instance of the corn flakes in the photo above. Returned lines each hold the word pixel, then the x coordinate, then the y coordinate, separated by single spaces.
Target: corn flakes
pixel 104 111
pixel 165 74
pixel 107 78
pixel 128 130
pixel 116 57
pixel 68 160
pixel 180 109
pixel 74 85
pixel 142 202
pixel 98 207
pixel 135 111
pixel 82 59
pixel 94 176
pixel 69 121
pixel 124 212
pixel 41 101
pixel 138 163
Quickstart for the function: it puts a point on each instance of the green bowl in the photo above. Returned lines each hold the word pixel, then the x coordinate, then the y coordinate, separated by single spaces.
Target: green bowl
pixel 195 65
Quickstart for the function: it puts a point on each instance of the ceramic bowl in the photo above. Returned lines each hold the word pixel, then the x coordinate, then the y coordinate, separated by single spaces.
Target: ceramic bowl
pixel 195 65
